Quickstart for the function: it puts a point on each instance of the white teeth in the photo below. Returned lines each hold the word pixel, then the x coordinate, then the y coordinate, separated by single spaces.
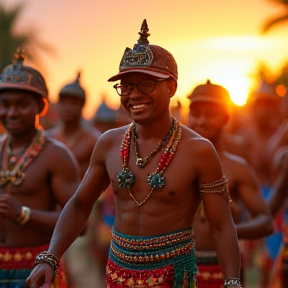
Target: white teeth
pixel 138 106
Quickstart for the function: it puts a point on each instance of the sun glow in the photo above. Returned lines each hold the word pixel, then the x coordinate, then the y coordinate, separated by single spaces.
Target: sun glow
pixel 227 61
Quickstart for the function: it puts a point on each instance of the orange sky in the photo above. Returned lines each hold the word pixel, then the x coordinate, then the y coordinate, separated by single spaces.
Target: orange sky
pixel 217 39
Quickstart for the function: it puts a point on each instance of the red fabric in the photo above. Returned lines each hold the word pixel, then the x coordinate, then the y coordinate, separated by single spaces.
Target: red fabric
pixel 19 258
pixel 123 278
pixel 209 276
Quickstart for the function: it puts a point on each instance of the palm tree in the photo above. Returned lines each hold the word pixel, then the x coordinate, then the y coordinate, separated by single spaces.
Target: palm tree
pixel 10 40
pixel 278 19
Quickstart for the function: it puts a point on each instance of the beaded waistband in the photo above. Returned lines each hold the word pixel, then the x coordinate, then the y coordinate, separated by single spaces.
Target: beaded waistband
pixel 135 250
pixel 19 258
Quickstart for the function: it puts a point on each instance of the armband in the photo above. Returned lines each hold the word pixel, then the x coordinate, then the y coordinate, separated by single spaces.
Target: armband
pixel 230 281
pixel 49 258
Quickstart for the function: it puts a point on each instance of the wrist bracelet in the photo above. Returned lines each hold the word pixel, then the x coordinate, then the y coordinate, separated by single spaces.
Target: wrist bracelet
pixel 49 258
pixel 24 216
pixel 229 281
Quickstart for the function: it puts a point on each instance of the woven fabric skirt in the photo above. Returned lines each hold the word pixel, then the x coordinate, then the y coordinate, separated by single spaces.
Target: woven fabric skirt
pixel 165 261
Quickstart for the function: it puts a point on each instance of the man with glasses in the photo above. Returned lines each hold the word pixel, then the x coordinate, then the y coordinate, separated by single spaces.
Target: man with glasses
pixel 159 171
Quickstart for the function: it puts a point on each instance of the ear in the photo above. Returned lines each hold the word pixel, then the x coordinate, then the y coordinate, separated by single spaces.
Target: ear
pixel 172 87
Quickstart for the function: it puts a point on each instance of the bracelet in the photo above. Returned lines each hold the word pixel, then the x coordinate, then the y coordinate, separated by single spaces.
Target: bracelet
pixel 24 216
pixel 49 258
pixel 229 281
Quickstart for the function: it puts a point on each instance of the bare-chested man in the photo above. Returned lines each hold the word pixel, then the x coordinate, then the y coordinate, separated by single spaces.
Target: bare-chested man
pixel 72 130
pixel 160 170
pixel 80 137
pixel 37 174
pixel 264 106
pixel 209 112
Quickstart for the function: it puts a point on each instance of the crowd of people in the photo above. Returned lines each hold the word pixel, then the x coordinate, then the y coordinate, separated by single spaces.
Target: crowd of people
pixel 177 205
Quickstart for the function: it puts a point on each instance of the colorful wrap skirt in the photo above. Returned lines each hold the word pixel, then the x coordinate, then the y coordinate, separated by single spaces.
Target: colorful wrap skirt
pixel 164 261
pixel 16 265
pixel 279 277
pixel 209 274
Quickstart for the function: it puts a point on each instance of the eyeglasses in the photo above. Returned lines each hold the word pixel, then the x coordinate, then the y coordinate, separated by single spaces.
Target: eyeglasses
pixel 145 86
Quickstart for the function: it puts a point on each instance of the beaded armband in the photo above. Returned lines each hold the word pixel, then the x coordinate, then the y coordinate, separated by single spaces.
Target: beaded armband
pixel 49 258
pixel 219 186
pixel 230 281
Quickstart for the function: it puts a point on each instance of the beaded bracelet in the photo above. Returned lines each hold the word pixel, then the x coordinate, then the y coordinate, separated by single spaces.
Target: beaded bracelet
pixel 49 258
pixel 229 281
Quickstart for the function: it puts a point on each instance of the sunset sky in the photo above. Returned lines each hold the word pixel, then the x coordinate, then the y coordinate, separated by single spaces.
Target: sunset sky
pixel 220 40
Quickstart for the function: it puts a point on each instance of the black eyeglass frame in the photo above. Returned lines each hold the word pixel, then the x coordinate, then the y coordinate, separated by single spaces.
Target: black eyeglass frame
pixel 132 86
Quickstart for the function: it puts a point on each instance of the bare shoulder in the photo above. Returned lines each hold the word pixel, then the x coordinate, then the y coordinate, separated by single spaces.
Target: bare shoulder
pixel 196 144
pixel 52 132
pixel 109 139
pixel 56 149
pixel 92 133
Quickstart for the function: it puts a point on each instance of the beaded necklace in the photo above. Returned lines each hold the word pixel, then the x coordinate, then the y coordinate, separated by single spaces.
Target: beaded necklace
pixel 155 180
pixel 141 162
pixel 13 171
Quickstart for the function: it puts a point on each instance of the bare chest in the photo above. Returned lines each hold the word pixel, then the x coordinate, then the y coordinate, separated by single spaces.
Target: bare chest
pixel 177 180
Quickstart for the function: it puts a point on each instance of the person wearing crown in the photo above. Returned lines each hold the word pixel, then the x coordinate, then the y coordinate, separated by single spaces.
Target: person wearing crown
pixel 159 171
pixel 73 131
pixel 37 174
pixel 209 112
pixel 80 137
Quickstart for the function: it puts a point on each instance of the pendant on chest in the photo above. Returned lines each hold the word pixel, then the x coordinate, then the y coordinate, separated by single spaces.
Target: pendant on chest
pixel 140 162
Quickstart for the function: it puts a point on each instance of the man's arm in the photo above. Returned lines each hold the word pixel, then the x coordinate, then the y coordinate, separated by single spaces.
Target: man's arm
pixel 64 180
pixel 75 213
pixel 260 224
pixel 218 212
pixel 280 188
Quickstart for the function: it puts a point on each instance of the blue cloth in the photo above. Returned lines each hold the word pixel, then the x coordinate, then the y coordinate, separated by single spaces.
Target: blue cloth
pixel 15 278
pixel 272 242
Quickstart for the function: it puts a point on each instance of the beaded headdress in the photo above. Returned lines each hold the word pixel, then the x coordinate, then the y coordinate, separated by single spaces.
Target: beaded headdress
pixel 18 76
pixel 147 58
pixel 74 89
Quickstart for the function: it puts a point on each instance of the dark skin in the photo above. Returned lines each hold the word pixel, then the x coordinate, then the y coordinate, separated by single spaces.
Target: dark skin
pixel 208 119
pixel 70 113
pixel 50 180
pixel 279 198
pixel 175 204
pixel 265 115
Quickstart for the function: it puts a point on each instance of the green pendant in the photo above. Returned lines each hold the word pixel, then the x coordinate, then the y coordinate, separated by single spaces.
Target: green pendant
pixel 156 180
pixel 126 178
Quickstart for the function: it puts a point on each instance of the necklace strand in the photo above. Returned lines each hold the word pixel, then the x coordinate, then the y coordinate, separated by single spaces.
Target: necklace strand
pixel 156 179
pixel 16 174
pixel 141 162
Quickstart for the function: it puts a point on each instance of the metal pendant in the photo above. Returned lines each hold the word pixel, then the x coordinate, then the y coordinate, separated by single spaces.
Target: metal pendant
pixel 156 180
pixel 140 162
pixel 126 178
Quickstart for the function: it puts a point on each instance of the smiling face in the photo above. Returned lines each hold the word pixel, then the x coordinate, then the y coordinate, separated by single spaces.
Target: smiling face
pixel 18 110
pixel 147 106
pixel 207 119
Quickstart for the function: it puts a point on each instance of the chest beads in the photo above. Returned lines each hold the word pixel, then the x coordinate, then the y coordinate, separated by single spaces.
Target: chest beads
pixel 155 180
pixel 141 162
pixel 12 168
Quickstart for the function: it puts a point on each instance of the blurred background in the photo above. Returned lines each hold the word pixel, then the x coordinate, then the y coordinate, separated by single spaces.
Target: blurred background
pixel 221 40
pixel 236 44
